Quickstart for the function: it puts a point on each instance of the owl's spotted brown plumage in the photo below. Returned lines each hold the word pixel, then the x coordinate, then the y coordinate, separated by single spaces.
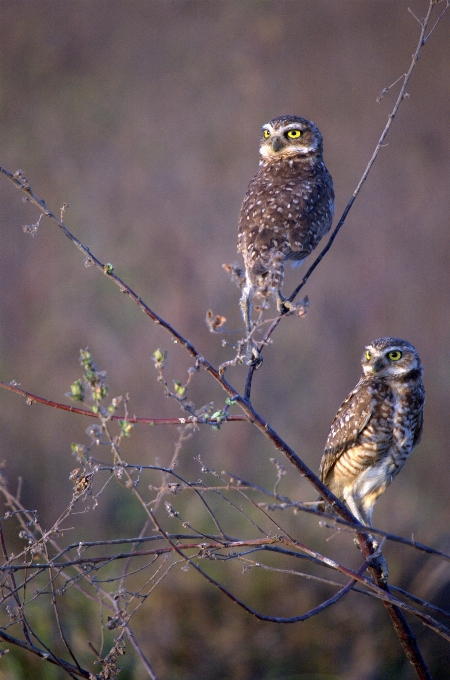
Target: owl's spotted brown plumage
pixel 287 209
pixel 377 426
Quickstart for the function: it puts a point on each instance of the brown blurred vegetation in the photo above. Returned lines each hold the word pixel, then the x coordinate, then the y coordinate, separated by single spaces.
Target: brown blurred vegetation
pixel 144 118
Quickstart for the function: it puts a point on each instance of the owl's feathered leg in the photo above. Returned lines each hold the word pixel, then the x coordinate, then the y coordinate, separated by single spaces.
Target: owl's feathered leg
pixel 376 560
pixel 252 355
pixel 364 515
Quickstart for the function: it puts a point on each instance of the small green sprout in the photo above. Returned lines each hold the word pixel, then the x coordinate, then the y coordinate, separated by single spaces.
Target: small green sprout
pixel 99 392
pixel 160 358
pixel 125 427
pixel 179 388
pixel 77 391
pixel 219 416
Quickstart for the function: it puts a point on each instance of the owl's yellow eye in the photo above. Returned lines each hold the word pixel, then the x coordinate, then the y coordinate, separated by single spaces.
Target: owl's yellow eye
pixel 368 355
pixel 395 355
pixel 266 134
pixel 293 134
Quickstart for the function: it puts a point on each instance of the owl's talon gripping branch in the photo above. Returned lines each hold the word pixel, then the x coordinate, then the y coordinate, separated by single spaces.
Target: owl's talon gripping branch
pixel 253 356
pixel 378 562
pixel 287 209
pixel 376 559
pixel 284 305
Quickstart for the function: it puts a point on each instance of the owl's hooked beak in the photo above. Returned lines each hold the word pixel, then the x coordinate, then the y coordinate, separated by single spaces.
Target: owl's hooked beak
pixel 277 144
pixel 377 365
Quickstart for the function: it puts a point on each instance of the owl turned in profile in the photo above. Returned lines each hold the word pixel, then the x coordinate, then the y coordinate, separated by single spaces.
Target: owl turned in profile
pixel 287 209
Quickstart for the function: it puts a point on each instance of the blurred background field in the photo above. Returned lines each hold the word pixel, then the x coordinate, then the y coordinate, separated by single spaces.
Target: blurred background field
pixel 144 118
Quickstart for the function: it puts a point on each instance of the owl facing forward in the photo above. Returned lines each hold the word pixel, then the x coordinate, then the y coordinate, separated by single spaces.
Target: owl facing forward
pixel 287 209
pixel 377 426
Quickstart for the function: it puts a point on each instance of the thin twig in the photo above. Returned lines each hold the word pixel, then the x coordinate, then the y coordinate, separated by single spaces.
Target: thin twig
pixel 145 662
pixel 69 668
pixel 34 398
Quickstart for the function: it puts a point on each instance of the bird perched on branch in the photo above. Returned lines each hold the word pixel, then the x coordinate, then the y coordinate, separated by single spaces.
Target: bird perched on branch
pixel 376 428
pixel 287 209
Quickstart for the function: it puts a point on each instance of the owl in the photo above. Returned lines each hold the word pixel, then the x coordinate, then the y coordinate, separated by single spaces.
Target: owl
pixel 376 428
pixel 287 209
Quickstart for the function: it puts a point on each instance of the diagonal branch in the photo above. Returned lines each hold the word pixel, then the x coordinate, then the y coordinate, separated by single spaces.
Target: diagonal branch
pixel 258 421
pixel 30 647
